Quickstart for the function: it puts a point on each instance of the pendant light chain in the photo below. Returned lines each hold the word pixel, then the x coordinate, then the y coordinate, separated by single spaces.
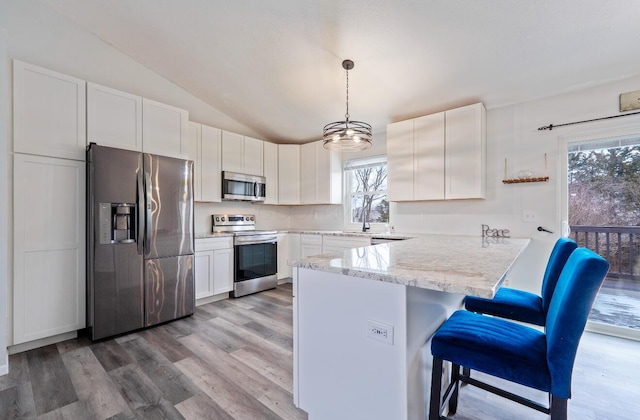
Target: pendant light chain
pixel 346 115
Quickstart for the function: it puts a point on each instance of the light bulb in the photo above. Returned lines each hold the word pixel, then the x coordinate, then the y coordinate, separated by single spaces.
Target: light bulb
pixel 356 139
pixel 336 138
pixel 350 132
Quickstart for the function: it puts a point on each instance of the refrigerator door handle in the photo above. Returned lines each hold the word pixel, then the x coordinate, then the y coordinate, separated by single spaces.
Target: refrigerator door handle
pixel 147 208
pixel 140 212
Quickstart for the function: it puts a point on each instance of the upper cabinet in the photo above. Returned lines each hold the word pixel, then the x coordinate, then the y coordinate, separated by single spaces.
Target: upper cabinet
pixel 320 175
pixel 289 174
pixel 271 172
pixel 204 148
pixel 438 157
pixel 49 112
pixel 125 121
pixel 164 129
pixel 114 118
pixel 242 154
pixel 465 163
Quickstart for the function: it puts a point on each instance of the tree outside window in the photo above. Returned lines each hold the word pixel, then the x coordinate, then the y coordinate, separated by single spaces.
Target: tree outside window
pixel 367 191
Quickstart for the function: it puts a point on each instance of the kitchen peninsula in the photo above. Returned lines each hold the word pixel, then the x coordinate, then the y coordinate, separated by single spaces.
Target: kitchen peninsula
pixel 362 319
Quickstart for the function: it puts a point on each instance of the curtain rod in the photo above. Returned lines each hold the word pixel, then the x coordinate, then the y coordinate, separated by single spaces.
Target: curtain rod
pixel 551 126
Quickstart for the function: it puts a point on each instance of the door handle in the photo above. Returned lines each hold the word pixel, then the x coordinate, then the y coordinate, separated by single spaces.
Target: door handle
pixel 140 204
pixel 147 208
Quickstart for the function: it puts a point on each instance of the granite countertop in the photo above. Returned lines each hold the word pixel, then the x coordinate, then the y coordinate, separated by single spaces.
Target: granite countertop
pixel 212 235
pixel 347 233
pixel 469 265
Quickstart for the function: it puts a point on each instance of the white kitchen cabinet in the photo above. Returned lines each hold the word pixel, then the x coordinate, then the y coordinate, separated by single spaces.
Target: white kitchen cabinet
pixel 437 157
pixel 164 129
pixel 284 270
pixel 466 152
pixel 203 147
pixel 114 118
pixel 253 156
pixel 49 295
pixel 49 112
pixel 213 266
pixel 320 175
pixel 242 154
pixel 294 247
pixel 289 174
pixel 338 244
pixel 271 172
pixel 203 274
pixel 310 244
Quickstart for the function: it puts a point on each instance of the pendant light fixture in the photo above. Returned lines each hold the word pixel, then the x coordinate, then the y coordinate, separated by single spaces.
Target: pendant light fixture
pixel 347 135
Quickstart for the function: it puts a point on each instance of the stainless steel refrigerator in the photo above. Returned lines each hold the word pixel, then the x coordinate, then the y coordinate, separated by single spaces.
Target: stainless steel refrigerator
pixel 140 249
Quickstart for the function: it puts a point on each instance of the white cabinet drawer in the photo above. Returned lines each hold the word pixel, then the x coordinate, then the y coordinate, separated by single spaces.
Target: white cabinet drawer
pixel 208 244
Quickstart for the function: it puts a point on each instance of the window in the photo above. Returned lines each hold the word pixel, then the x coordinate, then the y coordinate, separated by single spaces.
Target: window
pixel 366 188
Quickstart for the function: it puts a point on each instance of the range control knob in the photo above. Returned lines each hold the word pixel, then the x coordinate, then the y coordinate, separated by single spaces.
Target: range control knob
pixel 252 218
pixel 223 219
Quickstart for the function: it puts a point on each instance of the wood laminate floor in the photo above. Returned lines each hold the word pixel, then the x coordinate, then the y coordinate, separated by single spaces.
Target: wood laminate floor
pixel 233 360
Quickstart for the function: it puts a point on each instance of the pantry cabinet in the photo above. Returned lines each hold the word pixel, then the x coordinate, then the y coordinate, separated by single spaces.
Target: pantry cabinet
pixel 204 148
pixel 49 295
pixel 271 172
pixel 320 175
pixel 114 118
pixel 438 157
pixel 49 112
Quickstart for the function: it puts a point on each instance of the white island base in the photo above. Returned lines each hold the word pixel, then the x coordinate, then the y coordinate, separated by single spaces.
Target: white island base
pixel 340 371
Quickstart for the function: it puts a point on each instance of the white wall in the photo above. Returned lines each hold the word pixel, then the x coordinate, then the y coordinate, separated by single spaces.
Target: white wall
pixel 4 197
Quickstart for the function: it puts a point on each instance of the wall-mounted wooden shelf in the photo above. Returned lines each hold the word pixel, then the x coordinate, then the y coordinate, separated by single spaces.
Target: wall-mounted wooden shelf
pixel 525 175
pixel 521 180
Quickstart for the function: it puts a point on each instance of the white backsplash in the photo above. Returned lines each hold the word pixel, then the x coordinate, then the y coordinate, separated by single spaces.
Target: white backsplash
pixel 267 217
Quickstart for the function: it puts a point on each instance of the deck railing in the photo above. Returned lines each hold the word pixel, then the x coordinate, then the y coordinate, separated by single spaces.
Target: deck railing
pixel 619 245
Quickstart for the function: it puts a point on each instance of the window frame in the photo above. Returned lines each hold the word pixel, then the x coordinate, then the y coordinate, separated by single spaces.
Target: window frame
pixel 349 166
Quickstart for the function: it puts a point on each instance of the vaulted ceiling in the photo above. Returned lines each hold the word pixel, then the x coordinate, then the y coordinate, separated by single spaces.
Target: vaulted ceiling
pixel 275 65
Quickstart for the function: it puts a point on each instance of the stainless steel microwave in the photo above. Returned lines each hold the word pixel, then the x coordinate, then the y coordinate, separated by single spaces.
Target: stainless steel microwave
pixel 243 187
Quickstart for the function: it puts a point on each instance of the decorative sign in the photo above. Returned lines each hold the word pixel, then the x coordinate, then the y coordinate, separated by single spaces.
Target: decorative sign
pixel 630 101
pixel 494 233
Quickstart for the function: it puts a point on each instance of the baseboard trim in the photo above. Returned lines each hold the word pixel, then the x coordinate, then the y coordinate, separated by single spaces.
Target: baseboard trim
pixel 613 330
pixel 19 348
pixel 213 298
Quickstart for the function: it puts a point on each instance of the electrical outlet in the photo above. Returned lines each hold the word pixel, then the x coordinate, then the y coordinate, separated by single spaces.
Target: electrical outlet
pixel 529 216
pixel 379 331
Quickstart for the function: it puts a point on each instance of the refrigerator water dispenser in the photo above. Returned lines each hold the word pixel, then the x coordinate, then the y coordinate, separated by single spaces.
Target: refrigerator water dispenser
pixel 117 223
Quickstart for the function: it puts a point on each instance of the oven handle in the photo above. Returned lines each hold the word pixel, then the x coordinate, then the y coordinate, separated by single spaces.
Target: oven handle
pixel 266 239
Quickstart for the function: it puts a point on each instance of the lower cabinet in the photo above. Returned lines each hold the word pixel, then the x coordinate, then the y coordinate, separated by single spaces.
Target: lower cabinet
pixel 49 295
pixel 284 270
pixel 213 266
pixel 310 244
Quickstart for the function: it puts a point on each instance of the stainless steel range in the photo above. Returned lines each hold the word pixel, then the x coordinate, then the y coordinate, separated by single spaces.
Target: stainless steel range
pixel 255 253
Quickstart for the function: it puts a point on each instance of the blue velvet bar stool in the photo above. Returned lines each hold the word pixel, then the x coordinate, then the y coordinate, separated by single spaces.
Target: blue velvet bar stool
pixel 523 306
pixel 516 352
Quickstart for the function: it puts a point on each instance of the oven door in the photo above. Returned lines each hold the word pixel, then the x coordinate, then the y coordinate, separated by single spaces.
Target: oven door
pixel 255 260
